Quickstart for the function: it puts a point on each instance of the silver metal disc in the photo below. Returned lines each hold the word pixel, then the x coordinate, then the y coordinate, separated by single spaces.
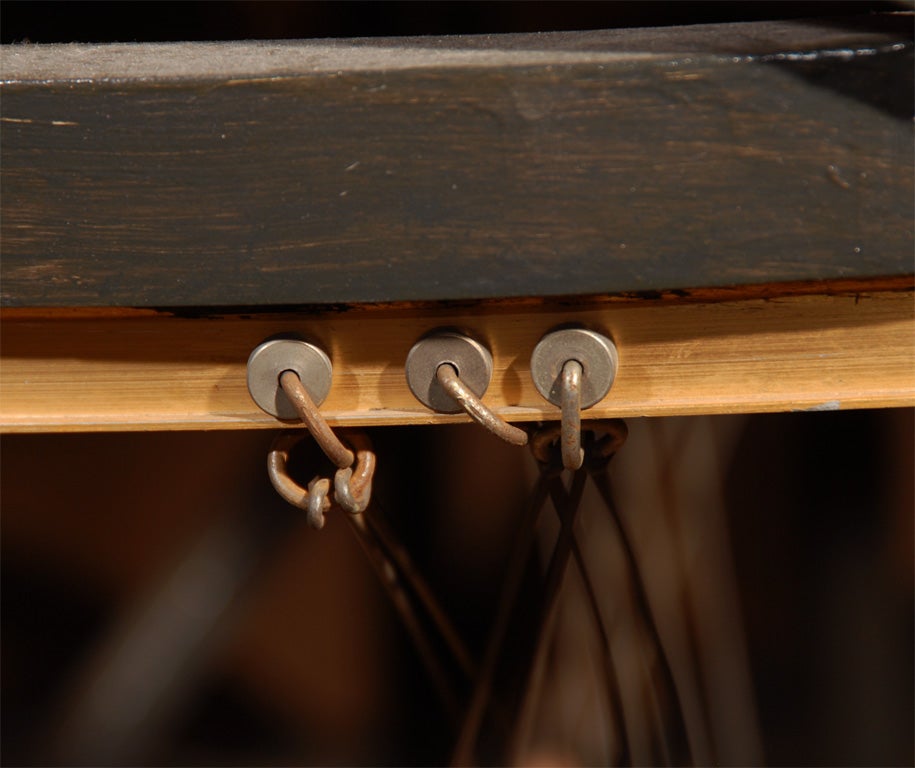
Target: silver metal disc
pixel 271 358
pixel 596 354
pixel 471 359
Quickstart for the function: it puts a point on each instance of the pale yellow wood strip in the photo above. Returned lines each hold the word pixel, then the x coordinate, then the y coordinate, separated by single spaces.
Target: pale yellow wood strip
pixel 157 372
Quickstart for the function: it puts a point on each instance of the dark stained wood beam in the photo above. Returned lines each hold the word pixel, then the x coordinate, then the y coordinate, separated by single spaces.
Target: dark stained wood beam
pixel 318 172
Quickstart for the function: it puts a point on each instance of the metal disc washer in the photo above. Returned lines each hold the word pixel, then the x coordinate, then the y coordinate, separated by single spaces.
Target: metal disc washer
pixel 596 354
pixel 265 364
pixel 471 359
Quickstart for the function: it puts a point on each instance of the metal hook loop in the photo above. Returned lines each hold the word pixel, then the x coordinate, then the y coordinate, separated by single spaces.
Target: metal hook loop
pixel 314 500
pixel 448 377
pixel 353 487
pixel 573 368
pixel 318 502
pixel 608 437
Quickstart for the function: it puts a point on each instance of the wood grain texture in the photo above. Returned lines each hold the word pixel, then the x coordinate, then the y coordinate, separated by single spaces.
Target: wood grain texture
pixel 145 370
pixel 457 168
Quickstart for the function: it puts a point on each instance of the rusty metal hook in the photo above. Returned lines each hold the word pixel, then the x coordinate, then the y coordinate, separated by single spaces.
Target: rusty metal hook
pixel 336 451
pixel 570 392
pixel 353 487
pixel 448 377
pixel 608 436
pixel 314 500
pixel 318 502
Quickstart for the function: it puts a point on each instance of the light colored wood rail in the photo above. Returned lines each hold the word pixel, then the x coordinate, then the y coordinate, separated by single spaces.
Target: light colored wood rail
pixel 89 370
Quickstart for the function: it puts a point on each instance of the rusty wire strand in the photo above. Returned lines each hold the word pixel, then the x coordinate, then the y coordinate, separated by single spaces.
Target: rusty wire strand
pixel 465 746
pixel 399 556
pixel 448 377
pixel 336 451
pixel 608 437
pixel 611 680
pixel 674 738
pixel 390 578
pixel 568 509
pixel 399 576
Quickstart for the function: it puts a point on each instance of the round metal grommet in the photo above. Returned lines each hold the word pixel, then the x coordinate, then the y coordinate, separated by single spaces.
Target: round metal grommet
pixel 310 363
pixel 470 358
pixel 595 353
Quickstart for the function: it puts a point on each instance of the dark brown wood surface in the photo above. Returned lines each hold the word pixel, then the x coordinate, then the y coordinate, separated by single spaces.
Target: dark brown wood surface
pixel 456 168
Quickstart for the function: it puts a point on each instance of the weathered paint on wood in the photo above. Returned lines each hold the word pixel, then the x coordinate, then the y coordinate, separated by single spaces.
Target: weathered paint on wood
pixel 459 168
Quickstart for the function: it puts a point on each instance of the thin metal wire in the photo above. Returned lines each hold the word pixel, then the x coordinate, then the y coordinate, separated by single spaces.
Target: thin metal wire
pixel 338 453
pixel 611 681
pixel 399 577
pixel 701 739
pixel 451 382
pixel 572 453
pixel 390 578
pixel 401 559
pixel 568 513
pixel 674 737
pixel 511 586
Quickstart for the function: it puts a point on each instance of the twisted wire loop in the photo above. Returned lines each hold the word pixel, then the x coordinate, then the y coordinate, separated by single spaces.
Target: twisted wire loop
pixel 448 377
pixel 352 488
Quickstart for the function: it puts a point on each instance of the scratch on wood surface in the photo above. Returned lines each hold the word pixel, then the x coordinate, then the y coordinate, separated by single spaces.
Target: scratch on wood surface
pixel 835 175
pixel 830 405
pixel 28 120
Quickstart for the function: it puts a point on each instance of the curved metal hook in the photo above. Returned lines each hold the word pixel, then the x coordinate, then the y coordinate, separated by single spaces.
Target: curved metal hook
pixel 314 500
pixel 609 436
pixel 570 392
pixel 448 377
pixel 338 453
pixel 353 487
pixel 318 502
